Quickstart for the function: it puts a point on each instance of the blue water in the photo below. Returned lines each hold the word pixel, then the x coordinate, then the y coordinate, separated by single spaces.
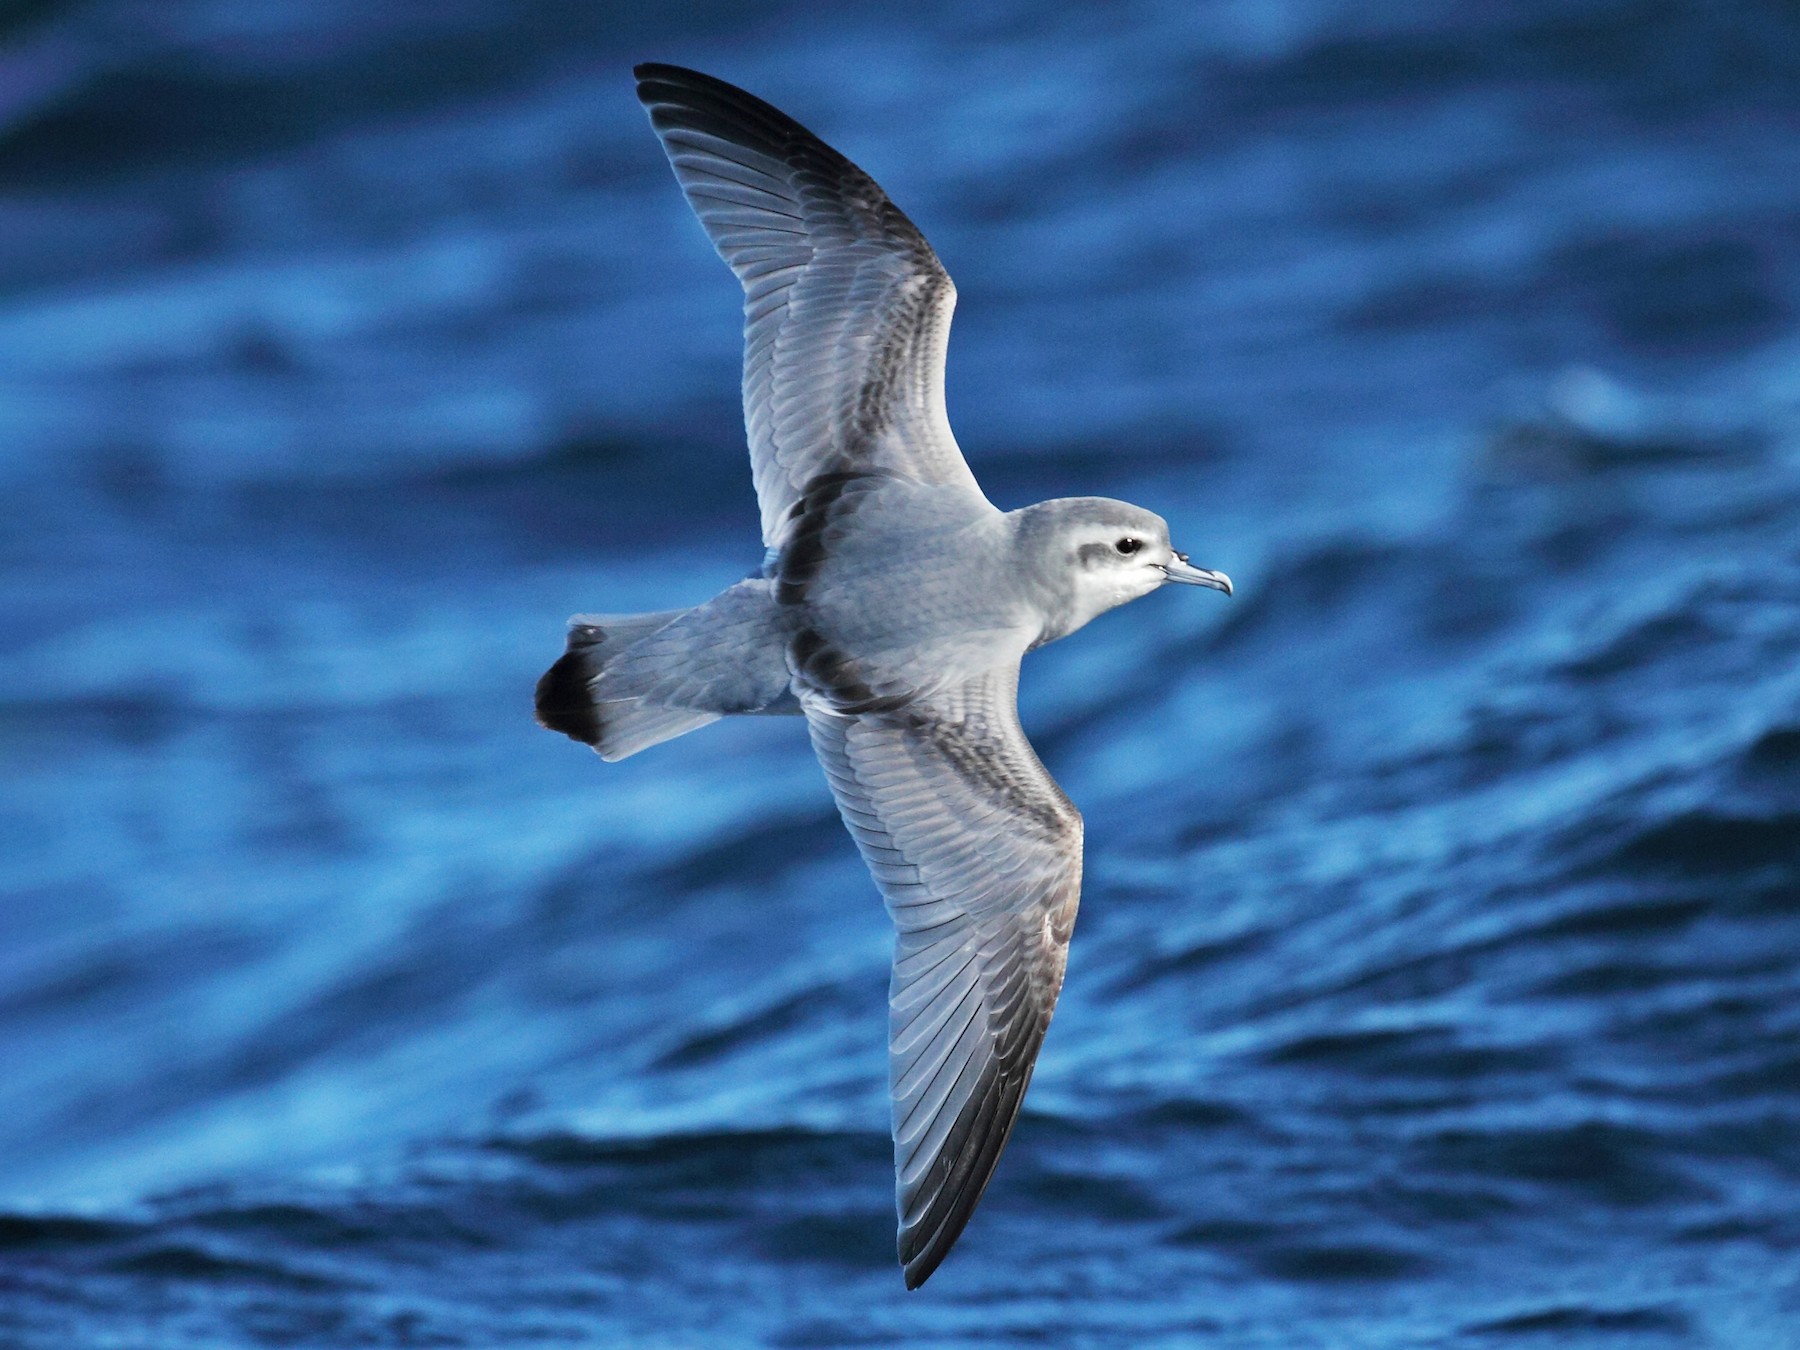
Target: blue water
pixel 1438 977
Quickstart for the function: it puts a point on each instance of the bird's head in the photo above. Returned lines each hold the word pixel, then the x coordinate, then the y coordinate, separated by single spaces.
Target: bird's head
pixel 1094 554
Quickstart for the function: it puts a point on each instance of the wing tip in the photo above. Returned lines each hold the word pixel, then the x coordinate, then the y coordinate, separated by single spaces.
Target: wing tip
pixel 925 1258
pixel 655 77
pixel 646 72
pixel 678 99
pixel 661 83
pixel 921 1268
pixel 924 1245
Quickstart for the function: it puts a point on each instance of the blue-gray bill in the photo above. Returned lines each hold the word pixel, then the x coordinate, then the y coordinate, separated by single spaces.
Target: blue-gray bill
pixel 1180 569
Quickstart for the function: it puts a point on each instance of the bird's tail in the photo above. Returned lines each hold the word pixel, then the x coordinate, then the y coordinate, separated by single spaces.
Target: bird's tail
pixel 616 727
pixel 630 681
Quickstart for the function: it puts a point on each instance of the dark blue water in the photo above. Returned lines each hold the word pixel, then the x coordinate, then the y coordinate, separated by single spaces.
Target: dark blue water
pixel 1438 978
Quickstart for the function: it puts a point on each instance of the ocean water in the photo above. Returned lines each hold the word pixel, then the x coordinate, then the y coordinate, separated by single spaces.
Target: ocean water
pixel 1437 981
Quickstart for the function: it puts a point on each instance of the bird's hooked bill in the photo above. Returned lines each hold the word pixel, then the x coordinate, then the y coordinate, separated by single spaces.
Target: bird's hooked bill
pixel 1179 569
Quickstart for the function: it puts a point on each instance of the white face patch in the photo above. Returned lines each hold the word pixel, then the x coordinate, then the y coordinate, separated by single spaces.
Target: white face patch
pixel 1113 564
pixel 1086 555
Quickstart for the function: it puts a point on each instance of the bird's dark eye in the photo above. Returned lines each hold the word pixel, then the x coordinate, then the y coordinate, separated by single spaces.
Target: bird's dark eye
pixel 1128 545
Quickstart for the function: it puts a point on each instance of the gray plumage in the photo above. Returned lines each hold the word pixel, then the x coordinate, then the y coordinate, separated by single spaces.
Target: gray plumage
pixel 892 611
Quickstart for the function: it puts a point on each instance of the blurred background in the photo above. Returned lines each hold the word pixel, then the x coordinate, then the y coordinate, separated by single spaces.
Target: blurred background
pixel 1438 977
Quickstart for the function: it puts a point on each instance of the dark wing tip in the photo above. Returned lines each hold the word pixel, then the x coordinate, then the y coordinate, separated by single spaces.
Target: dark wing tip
pixel 646 71
pixel 662 86
pixel 973 1149
pixel 564 701
pixel 683 103
pixel 657 82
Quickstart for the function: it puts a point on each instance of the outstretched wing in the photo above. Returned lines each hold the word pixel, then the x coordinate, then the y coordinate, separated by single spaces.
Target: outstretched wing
pixel 846 308
pixel 978 854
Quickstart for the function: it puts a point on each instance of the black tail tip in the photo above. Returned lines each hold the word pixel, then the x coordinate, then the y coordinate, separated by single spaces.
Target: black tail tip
pixel 564 702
